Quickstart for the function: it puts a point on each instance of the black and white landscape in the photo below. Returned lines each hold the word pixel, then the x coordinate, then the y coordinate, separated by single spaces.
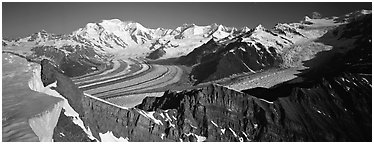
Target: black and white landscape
pixel 119 81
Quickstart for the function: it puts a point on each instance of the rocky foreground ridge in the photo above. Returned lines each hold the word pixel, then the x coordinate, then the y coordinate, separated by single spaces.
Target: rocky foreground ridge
pixel 335 106
pixel 321 111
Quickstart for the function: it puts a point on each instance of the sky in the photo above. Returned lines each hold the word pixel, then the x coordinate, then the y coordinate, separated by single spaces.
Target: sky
pixel 22 19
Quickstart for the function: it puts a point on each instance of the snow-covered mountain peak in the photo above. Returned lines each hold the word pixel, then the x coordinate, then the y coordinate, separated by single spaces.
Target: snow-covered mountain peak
pixel 306 18
pixel 43 31
pixel 260 28
pixel 112 21
pixel 365 11
pixel 218 28
pixel 245 29
pixel 214 25
pixel 185 26
pixel 136 26
pixel 40 36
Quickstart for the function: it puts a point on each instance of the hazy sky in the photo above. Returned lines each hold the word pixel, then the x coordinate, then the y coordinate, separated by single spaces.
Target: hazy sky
pixel 22 19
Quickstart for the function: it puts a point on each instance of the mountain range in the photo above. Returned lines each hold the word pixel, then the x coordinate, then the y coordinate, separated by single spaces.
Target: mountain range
pixel 96 43
pixel 304 81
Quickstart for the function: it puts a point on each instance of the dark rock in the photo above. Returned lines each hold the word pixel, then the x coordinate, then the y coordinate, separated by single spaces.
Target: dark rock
pixel 197 54
pixel 79 62
pixel 236 57
pixel 156 54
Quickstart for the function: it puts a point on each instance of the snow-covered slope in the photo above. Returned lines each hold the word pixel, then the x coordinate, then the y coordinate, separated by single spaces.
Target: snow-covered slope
pixel 111 35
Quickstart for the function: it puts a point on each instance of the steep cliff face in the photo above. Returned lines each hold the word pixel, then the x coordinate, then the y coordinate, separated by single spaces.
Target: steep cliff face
pixel 213 113
pixel 128 124
pixel 70 126
pixel 331 109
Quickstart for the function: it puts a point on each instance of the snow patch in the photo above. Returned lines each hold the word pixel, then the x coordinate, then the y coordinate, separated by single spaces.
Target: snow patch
pixel 245 134
pixel 149 115
pixel 172 125
pixel 162 136
pixel 266 101
pixel 174 117
pixel 242 49
pixel 255 125
pixel 162 115
pixel 223 131
pixel 167 117
pixel 199 138
pixel 109 137
pixel 241 139
pixel 233 132
pixel 214 123
pixel 193 126
pixel 88 95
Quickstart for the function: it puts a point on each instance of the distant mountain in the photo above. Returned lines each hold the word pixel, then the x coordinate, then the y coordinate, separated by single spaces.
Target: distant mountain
pixel 285 45
pixel 111 37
